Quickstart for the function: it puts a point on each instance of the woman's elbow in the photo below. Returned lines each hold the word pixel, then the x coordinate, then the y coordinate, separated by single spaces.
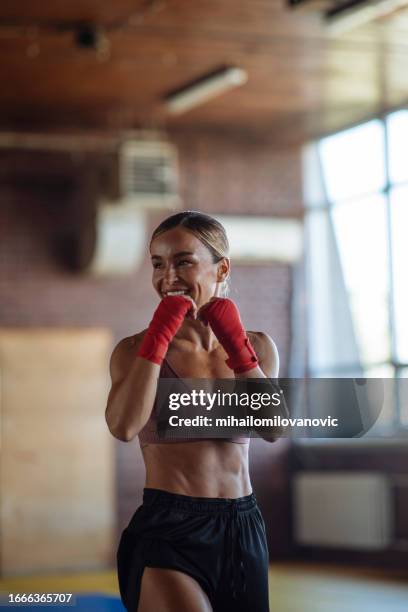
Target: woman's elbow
pixel 122 433
pixel 119 429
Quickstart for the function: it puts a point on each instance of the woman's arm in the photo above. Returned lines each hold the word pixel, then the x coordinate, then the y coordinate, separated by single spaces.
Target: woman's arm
pixel 268 367
pixel 251 355
pixel 133 390
pixel 135 369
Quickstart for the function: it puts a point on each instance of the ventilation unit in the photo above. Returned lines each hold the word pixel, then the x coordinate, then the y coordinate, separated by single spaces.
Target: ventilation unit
pixel 146 173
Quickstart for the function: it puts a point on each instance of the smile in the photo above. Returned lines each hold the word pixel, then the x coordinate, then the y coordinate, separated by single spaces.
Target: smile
pixel 179 292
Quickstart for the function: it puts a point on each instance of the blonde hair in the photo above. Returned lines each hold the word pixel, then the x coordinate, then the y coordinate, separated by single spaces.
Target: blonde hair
pixel 207 229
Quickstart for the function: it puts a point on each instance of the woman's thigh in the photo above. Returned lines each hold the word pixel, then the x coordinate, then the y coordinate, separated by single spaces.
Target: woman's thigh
pixel 164 590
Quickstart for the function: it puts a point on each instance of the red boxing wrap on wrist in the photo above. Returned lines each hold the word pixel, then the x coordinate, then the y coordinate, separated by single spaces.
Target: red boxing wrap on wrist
pixel 167 319
pixel 223 317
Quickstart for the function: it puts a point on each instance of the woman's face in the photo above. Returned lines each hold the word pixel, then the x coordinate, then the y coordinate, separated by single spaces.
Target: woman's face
pixel 182 263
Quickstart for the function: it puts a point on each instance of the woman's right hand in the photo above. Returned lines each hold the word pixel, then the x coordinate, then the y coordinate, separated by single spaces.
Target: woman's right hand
pixel 166 321
pixel 192 313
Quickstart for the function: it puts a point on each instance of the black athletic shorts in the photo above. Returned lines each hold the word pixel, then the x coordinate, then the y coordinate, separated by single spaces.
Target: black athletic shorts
pixel 219 542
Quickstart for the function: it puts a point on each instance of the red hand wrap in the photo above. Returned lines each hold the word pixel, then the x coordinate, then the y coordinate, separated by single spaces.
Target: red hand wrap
pixel 223 317
pixel 167 319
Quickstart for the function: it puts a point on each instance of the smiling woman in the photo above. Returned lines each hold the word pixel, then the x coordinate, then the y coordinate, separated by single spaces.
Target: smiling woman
pixel 198 541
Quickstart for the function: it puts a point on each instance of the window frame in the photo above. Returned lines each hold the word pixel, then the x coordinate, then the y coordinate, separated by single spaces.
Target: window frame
pixel 324 203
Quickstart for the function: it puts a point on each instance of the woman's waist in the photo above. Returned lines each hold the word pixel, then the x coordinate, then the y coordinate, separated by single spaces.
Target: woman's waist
pixel 198 503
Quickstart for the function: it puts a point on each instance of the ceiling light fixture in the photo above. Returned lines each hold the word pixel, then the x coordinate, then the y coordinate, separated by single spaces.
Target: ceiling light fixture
pixel 205 88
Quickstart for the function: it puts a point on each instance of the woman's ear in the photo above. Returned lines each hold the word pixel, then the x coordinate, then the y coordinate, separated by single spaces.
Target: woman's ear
pixel 223 270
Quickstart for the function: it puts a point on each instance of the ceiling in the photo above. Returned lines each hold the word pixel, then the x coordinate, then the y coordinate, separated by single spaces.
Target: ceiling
pixel 302 81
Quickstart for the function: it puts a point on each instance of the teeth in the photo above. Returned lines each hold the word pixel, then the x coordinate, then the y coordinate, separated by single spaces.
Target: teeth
pixel 176 293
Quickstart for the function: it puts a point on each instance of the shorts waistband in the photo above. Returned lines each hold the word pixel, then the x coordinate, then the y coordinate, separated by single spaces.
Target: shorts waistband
pixel 198 504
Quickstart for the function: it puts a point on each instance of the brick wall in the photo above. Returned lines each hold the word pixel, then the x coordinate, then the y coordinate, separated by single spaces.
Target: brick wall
pixel 239 176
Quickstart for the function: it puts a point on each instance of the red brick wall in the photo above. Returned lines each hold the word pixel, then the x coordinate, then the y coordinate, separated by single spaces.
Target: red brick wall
pixel 217 176
pixel 239 177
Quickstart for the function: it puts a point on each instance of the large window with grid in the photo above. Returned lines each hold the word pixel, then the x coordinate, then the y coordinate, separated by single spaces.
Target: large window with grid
pixel 356 194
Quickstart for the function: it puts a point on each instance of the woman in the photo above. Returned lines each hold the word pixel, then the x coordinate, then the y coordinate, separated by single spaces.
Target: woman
pixel 197 544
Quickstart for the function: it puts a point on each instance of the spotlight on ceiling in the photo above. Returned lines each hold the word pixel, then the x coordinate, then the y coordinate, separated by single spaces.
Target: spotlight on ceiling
pixel 203 89
pixel 90 36
pixel 86 36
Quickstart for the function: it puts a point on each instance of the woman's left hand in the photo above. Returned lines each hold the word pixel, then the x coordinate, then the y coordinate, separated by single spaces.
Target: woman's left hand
pixel 200 316
pixel 223 317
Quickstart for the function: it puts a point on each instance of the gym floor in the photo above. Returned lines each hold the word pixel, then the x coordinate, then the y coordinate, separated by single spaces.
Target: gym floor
pixel 293 588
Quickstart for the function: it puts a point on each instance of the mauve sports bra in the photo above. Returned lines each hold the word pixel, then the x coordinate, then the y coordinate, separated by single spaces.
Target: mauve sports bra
pixel 149 435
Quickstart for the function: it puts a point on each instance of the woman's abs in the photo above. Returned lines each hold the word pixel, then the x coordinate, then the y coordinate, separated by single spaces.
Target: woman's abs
pixel 208 468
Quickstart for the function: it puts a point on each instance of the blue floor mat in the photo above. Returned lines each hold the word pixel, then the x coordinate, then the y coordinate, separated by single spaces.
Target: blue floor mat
pixel 85 602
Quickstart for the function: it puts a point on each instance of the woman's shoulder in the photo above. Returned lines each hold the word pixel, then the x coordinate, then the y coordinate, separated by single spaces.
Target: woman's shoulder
pixel 129 343
pixel 266 351
pixel 124 352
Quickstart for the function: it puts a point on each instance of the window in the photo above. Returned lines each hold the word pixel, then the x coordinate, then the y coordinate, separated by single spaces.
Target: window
pixel 356 193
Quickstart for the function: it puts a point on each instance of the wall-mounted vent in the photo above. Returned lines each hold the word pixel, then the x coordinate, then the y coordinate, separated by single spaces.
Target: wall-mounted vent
pixel 148 174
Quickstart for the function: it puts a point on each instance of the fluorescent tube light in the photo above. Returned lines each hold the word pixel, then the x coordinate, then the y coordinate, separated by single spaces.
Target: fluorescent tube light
pixel 205 89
